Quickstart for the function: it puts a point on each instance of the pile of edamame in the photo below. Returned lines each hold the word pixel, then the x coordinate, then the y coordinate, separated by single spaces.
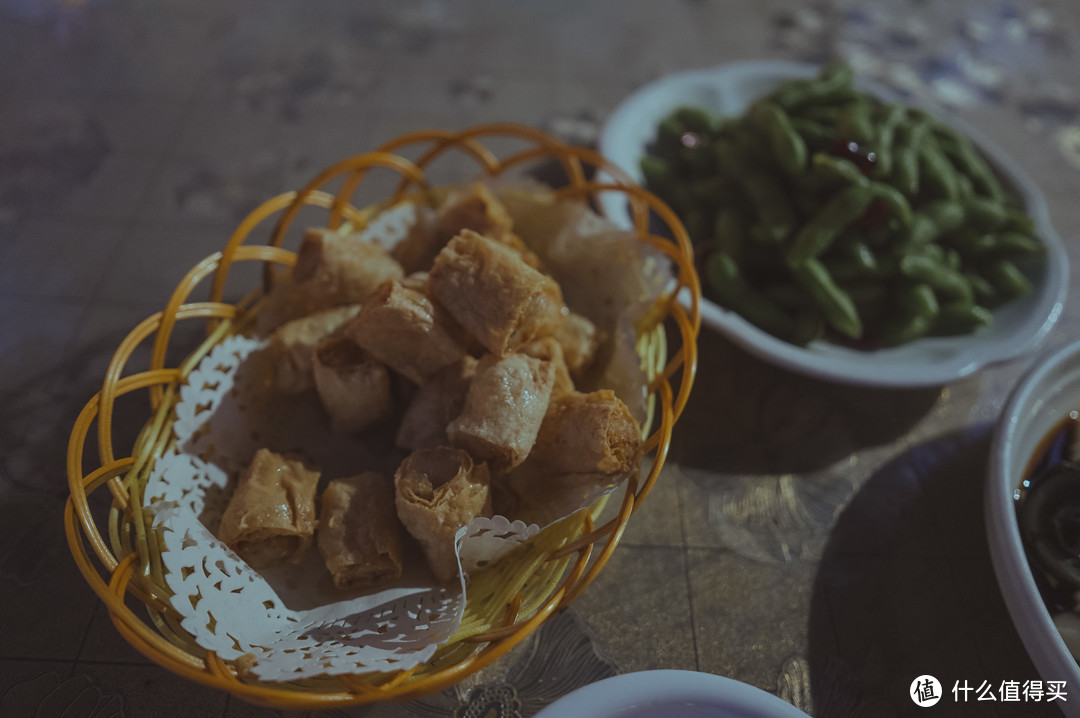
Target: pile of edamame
pixel 824 211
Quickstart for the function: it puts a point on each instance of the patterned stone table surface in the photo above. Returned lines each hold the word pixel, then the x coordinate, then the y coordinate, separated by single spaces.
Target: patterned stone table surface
pixel 820 542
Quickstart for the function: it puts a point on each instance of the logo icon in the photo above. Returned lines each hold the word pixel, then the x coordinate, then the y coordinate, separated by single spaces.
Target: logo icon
pixel 925 691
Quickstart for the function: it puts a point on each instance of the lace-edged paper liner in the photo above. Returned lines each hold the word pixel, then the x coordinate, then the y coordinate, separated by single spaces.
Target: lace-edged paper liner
pixel 292 618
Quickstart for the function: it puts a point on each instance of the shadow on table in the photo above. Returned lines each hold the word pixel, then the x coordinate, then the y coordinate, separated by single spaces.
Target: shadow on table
pixel 906 588
pixel 746 416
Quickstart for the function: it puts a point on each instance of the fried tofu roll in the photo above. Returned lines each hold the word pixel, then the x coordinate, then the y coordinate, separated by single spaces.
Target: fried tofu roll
pixel 359 533
pixel 473 207
pixel 504 408
pixel 343 269
pixel 588 433
pixel 293 344
pixel 586 444
pixel 493 294
pixel 436 403
pixel 580 340
pixel 437 491
pixel 548 349
pixel 355 389
pixel 331 269
pixel 270 518
pixel 408 332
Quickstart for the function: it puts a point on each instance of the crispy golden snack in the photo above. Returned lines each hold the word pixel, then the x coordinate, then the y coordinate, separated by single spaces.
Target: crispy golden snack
pixel 436 403
pixel 408 332
pixel 580 340
pixel 586 444
pixel 293 344
pixel 355 389
pixel 270 518
pixel 331 269
pixel 499 299
pixel 438 491
pixel 550 350
pixel 504 408
pixel 473 207
pixel 359 533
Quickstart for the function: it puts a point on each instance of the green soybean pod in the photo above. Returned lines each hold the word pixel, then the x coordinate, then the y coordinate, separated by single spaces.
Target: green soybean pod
pixel 727 282
pixel 948 282
pixel 892 116
pixel 961 318
pixel 984 213
pixel 833 80
pixel 1008 281
pixel 902 329
pixel 934 219
pixel 905 170
pixel 836 306
pixel 854 261
pixel 774 209
pixel 968 160
pixel 730 231
pixel 937 174
pixel 669 136
pixel 835 169
pixel 854 122
pixel 1010 245
pixel 787 145
pixel 694 119
pixel 984 291
pixel 819 232
pixel 895 200
pixel 918 299
pixel 814 133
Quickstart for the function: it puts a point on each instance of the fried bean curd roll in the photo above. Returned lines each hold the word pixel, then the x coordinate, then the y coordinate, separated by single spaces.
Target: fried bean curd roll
pixel 341 268
pixel 355 389
pixel 587 434
pixel 580 340
pixel 493 294
pixel 270 518
pixel 407 331
pixel 293 344
pixel 587 444
pixel 331 269
pixel 359 533
pixel 550 350
pixel 437 491
pixel 473 207
pixel 504 408
pixel 436 403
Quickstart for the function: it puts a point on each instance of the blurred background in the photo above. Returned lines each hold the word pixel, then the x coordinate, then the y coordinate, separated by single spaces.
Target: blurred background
pixel 134 134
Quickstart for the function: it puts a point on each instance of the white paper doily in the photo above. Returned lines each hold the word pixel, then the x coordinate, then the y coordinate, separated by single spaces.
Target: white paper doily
pixel 291 618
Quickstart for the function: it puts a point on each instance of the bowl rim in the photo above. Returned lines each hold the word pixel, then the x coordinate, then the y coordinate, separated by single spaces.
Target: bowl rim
pixel 665 690
pixel 1044 643
pixel 830 361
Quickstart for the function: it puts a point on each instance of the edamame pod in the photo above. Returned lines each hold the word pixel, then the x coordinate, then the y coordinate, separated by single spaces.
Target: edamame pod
pixel 948 282
pixel 819 232
pixel 937 175
pixel 961 318
pixel 787 145
pixel 836 306
pixel 917 299
pixel 1009 281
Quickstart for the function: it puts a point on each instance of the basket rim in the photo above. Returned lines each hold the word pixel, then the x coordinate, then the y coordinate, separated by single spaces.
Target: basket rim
pixel 114 578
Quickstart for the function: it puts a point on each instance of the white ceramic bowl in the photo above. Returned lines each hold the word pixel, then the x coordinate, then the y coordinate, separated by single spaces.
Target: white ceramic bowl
pixel 729 89
pixel 1041 400
pixel 669 694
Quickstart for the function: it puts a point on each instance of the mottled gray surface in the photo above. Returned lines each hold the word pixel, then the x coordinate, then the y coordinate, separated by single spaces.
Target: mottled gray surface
pixel 808 539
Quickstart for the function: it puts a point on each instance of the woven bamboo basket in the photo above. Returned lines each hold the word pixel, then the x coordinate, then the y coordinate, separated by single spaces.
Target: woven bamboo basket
pixel 506 602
